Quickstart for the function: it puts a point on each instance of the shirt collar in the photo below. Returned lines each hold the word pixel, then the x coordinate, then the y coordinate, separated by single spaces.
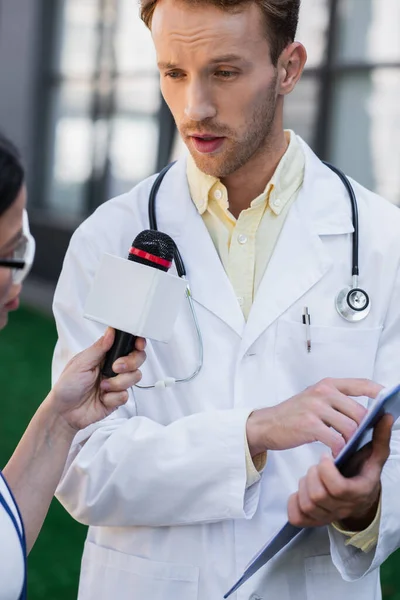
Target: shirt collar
pixel 200 185
pixel 288 175
pixel 284 182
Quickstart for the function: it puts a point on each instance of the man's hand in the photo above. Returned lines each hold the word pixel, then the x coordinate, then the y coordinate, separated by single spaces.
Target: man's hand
pixel 325 496
pixel 323 412
pixel 82 397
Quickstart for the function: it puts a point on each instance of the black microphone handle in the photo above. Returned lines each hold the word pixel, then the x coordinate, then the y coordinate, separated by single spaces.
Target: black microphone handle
pixel 123 345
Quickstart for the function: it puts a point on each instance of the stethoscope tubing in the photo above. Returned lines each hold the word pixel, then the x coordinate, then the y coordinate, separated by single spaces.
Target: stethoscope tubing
pixel 180 266
pixel 344 300
pixel 355 270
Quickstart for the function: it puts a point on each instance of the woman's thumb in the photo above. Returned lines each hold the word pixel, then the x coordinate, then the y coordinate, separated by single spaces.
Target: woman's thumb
pixel 93 356
pixel 108 339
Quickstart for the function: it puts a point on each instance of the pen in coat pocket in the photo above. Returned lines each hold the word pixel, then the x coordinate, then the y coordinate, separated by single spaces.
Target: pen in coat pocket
pixel 307 323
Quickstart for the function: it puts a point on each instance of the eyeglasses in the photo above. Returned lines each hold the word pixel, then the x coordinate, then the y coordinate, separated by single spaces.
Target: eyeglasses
pixel 23 255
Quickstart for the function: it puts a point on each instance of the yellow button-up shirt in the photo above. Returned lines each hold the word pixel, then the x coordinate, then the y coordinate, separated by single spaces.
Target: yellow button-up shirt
pixel 245 246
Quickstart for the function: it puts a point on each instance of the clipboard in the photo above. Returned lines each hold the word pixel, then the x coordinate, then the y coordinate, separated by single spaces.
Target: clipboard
pixel 348 462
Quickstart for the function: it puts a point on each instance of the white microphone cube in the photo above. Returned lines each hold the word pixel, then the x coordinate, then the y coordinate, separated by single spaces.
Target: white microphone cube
pixel 135 298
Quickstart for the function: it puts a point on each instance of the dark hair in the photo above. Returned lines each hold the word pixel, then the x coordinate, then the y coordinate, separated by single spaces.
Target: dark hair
pixel 282 17
pixel 12 174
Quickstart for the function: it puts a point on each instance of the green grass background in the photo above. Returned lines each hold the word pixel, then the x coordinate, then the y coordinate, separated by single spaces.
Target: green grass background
pixel 26 348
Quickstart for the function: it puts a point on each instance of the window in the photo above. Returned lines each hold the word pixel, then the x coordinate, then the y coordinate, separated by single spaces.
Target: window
pixel 105 105
pixel 104 102
pixel 301 106
pixel 366 86
pixel 368 31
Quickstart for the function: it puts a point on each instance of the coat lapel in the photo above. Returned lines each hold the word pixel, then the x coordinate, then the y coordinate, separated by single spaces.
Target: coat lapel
pixel 299 261
pixel 300 258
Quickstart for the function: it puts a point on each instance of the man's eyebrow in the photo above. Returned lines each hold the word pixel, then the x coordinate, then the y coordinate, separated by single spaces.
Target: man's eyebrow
pixel 166 65
pixel 13 240
pixel 226 58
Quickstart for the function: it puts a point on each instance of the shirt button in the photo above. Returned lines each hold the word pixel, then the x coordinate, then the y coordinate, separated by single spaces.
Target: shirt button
pixel 277 202
pixel 240 300
pixel 242 239
pixel 218 194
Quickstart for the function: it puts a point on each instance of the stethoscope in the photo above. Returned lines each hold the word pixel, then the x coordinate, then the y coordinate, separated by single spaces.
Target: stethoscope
pixel 352 302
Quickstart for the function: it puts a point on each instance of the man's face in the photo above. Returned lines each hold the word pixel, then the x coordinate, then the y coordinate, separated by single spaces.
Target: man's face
pixel 218 81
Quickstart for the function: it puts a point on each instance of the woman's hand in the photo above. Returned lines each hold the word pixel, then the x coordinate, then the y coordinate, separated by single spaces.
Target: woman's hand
pixel 81 396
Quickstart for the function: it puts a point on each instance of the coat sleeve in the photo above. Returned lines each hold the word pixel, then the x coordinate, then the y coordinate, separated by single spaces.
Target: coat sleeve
pixel 128 470
pixel 352 562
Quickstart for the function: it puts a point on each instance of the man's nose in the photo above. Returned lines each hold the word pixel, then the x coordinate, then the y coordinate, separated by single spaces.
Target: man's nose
pixel 199 104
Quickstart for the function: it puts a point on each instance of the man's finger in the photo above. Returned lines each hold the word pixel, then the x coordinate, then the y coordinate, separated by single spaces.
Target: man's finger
pixel 344 415
pixel 317 492
pixel 328 436
pixel 337 486
pixel 380 448
pixel 357 387
pixel 295 515
pixel 307 504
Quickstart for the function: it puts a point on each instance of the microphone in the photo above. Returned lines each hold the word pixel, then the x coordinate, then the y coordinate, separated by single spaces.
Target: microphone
pixel 153 249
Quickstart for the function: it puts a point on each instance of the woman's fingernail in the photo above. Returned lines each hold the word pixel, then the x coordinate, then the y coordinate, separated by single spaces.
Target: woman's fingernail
pixel 107 334
pixel 140 344
pixel 105 386
pixel 119 367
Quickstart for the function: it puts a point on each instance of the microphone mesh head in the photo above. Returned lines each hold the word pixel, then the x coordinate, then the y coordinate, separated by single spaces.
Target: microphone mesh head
pixel 155 242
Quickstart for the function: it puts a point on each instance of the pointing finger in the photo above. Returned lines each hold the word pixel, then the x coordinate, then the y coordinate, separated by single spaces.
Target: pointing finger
pixel 357 387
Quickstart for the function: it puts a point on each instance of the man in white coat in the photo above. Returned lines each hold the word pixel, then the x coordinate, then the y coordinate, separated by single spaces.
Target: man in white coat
pixel 183 485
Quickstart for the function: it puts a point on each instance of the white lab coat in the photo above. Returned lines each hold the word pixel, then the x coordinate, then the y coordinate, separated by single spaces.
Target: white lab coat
pixel 162 481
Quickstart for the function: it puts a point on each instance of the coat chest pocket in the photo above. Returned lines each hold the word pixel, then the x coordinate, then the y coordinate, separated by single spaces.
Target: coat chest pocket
pixel 107 574
pixel 337 352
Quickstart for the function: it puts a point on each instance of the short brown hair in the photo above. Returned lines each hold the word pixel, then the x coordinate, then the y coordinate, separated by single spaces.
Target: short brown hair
pixel 282 17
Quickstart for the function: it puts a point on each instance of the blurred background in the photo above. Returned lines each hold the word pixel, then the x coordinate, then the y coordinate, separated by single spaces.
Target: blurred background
pixel 80 97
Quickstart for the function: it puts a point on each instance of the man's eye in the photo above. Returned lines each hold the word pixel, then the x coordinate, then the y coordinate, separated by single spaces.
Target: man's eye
pixel 174 74
pixel 223 74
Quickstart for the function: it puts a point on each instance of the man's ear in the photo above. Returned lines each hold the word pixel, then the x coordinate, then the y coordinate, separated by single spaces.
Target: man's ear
pixel 290 67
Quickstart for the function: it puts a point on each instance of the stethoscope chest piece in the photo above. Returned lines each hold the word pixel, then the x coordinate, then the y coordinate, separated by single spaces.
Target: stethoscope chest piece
pixel 353 304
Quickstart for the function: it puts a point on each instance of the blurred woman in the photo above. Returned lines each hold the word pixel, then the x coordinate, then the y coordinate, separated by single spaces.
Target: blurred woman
pixel 80 397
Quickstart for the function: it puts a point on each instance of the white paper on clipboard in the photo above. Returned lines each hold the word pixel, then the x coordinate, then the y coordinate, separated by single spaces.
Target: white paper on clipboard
pixel 387 402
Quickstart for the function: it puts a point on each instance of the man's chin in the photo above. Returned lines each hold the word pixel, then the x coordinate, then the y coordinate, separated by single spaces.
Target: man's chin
pixel 212 165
